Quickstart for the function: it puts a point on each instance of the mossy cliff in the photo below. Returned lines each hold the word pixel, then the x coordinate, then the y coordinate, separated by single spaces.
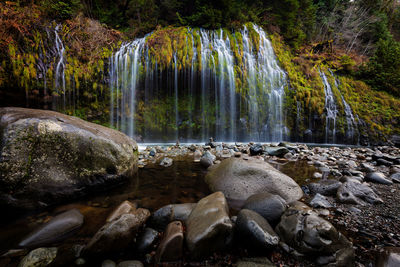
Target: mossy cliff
pixel 29 59
pixel 377 113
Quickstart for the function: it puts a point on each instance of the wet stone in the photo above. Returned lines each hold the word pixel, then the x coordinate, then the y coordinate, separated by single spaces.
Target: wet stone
pixel 173 212
pixel 117 234
pixel 166 162
pixel 255 230
pixel 320 201
pixel 207 159
pixel 325 187
pixel 395 177
pixel 256 149
pixel 209 228
pixel 239 179
pixel 124 208
pixel 255 262
pixel 305 233
pixel 146 240
pixel 383 162
pixel 353 192
pixel 39 257
pixel 130 264
pixel 170 248
pixel 108 263
pixel 389 257
pixel 269 206
pixel 377 177
pixel 276 151
pixel 58 228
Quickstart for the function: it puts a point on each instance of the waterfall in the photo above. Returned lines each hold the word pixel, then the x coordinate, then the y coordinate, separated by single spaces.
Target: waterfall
pixel 273 80
pixel 352 129
pixel 124 72
pixel 331 110
pixel 217 81
pixel 59 78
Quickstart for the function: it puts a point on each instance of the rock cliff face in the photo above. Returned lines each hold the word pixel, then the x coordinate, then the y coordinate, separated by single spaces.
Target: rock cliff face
pixel 46 156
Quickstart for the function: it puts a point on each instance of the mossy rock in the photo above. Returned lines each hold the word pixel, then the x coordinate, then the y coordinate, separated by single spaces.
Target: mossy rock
pixel 47 157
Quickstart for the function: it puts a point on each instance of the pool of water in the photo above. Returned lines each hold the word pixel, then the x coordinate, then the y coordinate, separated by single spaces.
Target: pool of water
pixel 153 187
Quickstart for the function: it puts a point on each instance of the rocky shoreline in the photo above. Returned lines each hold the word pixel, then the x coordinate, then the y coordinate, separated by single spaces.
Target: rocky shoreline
pixel 348 214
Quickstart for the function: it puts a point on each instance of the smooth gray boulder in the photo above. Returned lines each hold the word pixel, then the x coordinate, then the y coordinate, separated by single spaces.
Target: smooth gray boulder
pixel 354 192
pixel 172 212
pixel 39 257
pixel 305 233
pixel 171 246
pixel 268 205
pixel 377 177
pixel 255 230
pixel 239 179
pixel 117 234
pixel 209 228
pixel 47 157
pixel 57 229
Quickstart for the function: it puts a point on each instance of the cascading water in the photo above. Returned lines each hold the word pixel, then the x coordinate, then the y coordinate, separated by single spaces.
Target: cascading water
pixel 331 110
pixel 352 129
pixel 273 81
pixel 59 78
pixel 224 80
pixel 124 75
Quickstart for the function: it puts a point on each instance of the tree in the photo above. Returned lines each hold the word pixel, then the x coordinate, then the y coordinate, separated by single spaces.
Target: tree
pixel 383 70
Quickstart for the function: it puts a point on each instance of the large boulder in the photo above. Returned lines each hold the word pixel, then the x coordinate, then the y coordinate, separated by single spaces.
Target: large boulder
pixel 304 233
pixel 46 157
pixel 239 179
pixel 209 227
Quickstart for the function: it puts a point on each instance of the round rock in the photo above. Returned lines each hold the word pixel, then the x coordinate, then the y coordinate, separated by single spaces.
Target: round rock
pixel 268 205
pixel 239 179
